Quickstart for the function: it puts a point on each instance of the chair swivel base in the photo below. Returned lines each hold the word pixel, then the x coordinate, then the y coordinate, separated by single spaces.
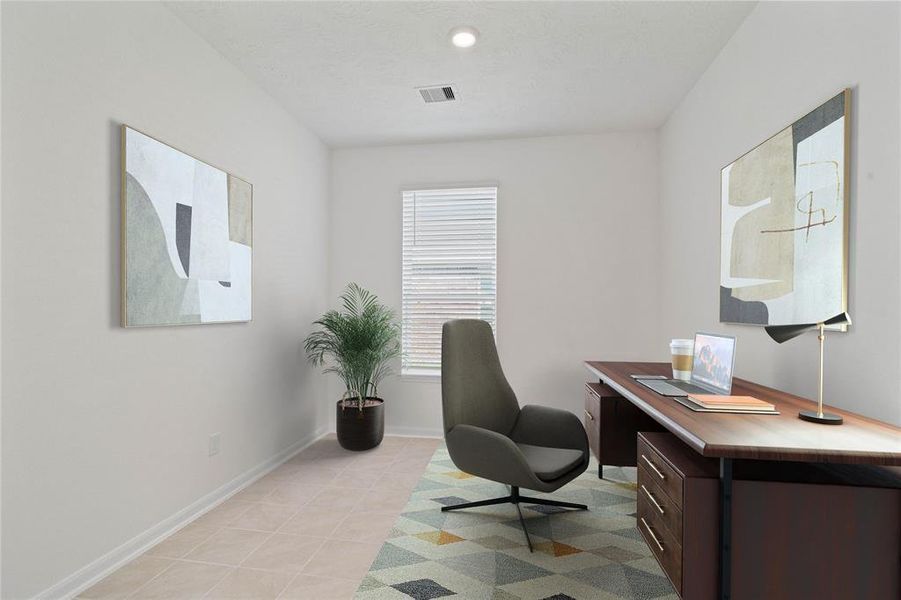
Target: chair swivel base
pixel 515 499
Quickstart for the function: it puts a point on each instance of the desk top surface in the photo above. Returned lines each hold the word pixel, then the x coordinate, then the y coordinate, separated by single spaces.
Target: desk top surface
pixel 763 437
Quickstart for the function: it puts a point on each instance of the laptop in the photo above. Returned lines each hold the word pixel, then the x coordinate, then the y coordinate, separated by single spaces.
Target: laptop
pixel 711 369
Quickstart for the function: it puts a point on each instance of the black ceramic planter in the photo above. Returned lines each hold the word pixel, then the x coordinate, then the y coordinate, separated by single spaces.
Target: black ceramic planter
pixel 360 429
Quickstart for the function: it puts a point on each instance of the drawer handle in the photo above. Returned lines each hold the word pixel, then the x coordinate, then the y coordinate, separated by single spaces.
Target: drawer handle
pixel 589 415
pixel 653 466
pixel 652 499
pixel 651 533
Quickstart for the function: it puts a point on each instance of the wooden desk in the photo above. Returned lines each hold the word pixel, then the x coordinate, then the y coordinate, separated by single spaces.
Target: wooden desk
pixel 796 469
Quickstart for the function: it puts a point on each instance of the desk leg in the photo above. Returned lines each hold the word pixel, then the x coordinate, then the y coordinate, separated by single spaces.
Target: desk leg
pixel 725 528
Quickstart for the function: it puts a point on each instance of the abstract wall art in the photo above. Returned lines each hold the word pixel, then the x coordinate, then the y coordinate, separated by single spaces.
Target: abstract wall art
pixel 784 223
pixel 187 233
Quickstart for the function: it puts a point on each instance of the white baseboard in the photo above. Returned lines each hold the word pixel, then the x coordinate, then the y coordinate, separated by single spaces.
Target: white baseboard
pixel 106 564
pixel 423 432
pixel 414 432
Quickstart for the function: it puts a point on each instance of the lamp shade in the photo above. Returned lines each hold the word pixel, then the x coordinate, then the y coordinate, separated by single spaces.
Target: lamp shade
pixel 783 333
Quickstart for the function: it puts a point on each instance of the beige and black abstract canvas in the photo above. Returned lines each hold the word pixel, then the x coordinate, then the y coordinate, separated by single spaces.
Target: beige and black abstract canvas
pixel 783 250
pixel 186 238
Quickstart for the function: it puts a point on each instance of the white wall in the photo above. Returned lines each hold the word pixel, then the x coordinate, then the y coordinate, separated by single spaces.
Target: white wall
pixel 576 253
pixel 784 60
pixel 104 429
pixel 1 328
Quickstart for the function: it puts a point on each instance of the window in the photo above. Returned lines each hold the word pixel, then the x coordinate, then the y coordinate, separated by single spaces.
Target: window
pixel 449 268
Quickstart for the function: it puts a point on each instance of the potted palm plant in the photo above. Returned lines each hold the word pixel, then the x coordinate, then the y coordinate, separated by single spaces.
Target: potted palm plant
pixel 358 344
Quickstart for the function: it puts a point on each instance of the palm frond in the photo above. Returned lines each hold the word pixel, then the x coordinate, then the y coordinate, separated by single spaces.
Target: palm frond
pixel 358 343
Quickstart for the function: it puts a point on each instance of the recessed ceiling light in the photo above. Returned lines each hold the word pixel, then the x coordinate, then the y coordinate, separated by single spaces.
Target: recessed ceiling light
pixel 464 37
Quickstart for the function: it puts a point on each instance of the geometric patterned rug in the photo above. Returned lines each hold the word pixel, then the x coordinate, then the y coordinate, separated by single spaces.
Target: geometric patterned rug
pixel 481 553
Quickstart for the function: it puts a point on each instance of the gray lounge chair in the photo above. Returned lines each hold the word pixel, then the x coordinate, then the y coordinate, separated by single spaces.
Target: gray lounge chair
pixel 490 436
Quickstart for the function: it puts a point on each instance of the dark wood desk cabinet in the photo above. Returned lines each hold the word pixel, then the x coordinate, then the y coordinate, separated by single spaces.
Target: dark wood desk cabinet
pixel 798 530
pixel 677 509
pixel 752 507
pixel 611 422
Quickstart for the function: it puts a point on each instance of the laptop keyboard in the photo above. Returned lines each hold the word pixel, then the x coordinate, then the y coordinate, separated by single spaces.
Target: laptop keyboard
pixel 677 388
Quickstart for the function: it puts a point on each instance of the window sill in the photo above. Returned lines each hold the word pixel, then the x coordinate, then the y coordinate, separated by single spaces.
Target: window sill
pixel 424 376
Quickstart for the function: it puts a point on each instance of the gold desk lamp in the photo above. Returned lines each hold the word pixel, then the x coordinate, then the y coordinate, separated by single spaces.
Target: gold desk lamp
pixel 783 333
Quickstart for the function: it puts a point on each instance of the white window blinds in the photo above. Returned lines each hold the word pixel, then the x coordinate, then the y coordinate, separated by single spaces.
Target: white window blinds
pixel 449 268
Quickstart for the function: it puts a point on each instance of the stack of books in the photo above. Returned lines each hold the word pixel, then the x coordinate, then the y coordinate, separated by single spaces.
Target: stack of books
pixel 729 404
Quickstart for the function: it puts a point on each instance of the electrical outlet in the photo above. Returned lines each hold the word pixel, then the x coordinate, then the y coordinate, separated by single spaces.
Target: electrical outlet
pixel 215 443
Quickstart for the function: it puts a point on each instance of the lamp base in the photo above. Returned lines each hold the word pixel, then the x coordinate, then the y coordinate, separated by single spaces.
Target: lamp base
pixel 825 418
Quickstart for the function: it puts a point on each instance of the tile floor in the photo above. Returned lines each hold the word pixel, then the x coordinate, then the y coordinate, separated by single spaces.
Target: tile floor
pixel 308 530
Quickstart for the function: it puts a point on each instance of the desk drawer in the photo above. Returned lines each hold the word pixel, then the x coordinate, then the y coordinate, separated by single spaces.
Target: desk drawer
pixel 652 464
pixel 652 496
pixel 662 543
pixel 678 504
pixel 592 418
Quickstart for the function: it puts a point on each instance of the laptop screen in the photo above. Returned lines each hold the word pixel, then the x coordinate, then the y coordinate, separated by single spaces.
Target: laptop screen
pixel 714 358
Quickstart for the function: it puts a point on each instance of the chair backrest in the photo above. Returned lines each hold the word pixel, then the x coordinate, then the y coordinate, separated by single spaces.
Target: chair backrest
pixel 474 390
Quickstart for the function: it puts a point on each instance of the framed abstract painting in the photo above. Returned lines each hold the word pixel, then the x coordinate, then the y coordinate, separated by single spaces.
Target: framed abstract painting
pixel 784 223
pixel 187 238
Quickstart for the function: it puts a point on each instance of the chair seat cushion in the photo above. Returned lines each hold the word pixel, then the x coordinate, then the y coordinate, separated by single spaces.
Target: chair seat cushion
pixel 549 464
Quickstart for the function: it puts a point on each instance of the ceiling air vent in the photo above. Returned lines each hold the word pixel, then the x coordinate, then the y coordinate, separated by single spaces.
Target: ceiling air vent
pixel 439 93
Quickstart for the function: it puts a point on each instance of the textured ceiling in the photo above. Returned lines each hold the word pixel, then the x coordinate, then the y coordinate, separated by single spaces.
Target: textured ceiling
pixel 348 69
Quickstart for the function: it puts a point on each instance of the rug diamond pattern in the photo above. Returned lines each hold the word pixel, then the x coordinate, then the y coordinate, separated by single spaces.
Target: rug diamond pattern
pixel 480 554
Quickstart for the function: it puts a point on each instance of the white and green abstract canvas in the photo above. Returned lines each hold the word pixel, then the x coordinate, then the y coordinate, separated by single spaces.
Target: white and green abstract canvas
pixel 187 233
